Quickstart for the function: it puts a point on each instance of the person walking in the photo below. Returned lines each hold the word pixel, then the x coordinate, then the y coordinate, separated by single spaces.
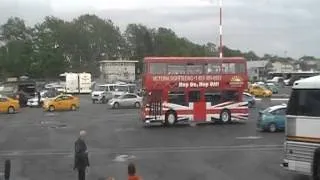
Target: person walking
pixel 39 98
pixel 81 160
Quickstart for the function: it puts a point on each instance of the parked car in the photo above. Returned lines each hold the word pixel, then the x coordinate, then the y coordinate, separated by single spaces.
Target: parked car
pixel 247 97
pixel 61 102
pixel 273 118
pixel 50 93
pixel 126 100
pixel 8 105
pixel 272 87
pixel 259 90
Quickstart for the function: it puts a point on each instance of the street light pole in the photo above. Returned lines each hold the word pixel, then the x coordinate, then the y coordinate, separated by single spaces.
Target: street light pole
pixel 220 30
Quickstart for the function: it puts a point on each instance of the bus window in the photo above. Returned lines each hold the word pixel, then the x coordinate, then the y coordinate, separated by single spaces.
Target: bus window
pixel 304 102
pixel 194 96
pixel 176 69
pixel 158 68
pixel 195 69
pixel 177 97
pixel 121 88
pixel 212 68
pixel 240 68
pixel 230 96
pixel 231 68
pixel 111 88
pixel 213 97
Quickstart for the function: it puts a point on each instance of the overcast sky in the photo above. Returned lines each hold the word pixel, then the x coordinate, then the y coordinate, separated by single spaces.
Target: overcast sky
pixel 264 26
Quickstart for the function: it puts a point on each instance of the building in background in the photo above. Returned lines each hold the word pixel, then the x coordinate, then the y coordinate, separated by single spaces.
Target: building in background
pixel 257 70
pixel 282 66
pixel 118 70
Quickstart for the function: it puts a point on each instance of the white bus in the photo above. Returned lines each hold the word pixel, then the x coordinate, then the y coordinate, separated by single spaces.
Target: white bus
pixel 76 82
pixel 302 143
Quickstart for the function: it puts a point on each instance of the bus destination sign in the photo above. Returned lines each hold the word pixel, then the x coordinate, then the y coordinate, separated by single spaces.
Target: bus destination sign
pixel 186 78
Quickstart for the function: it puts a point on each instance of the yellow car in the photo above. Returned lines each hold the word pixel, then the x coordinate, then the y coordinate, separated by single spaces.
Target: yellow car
pixel 260 91
pixel 61 102
pixel 8 105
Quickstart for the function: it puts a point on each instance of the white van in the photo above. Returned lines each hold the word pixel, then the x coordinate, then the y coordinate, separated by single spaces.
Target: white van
pixel 103 93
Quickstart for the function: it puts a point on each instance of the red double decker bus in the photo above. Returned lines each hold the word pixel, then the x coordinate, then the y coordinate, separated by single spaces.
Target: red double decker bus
pixel 194 89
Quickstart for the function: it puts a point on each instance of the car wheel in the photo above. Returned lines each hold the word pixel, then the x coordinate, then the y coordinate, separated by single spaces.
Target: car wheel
pixel 272 127
pixel 11 110
pixel 137 105
pixel 225 116
pixel 73 107
pixel 93 101
pixel 116 105
pixel 51 108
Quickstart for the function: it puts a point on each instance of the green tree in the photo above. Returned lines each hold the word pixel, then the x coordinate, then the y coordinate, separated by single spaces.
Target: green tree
pixel 98 39
pixel 16 54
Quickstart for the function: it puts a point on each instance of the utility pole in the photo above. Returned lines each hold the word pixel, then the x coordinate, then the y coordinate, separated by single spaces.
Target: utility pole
pixel 220 30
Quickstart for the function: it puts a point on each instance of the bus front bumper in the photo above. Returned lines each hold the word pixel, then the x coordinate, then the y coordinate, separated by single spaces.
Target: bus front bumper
pixel 297 167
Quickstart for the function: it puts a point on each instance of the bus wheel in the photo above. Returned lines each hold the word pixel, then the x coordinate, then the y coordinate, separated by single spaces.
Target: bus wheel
pixel 225 116
pixel 316 165
pixel 171 118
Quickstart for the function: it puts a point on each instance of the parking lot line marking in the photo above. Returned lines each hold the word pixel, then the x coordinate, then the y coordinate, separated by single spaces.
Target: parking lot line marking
pixel 68 153
pixel 273 99
pixel 249 137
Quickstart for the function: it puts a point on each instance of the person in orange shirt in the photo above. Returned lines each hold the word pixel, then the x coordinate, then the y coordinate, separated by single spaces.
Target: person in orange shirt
pixel 132 172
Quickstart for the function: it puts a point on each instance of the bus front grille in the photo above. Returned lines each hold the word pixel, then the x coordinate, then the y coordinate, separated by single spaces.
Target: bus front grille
pixel 300 151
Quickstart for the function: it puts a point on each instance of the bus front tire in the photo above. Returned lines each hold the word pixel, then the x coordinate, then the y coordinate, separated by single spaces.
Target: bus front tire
pixel 225 116
pixel 316 165
pixel 170 118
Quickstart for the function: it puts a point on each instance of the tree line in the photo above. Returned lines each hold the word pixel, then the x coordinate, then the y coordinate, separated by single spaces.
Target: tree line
pixel 55 46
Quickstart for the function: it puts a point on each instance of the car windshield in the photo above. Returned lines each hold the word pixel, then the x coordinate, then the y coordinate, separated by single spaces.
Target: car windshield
pixel 247 97
pixel 264 87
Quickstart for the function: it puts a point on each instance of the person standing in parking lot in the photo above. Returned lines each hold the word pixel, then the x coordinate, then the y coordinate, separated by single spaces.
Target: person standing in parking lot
pixel 39 98
pixel 81 156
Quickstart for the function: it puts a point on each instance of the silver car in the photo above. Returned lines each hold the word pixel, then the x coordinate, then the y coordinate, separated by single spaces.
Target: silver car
pixel 126 100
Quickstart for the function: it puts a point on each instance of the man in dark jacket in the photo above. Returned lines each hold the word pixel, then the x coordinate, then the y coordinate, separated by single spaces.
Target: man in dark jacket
pixel 81 160
pixel 39 98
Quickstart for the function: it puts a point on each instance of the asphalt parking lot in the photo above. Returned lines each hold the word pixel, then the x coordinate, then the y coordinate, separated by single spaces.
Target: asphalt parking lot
pixel 40 146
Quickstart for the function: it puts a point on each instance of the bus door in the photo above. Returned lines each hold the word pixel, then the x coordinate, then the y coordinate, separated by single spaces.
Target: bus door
pixel 155 103
pixel 199 105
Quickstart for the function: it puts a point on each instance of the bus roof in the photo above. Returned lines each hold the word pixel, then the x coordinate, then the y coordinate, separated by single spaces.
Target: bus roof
pixel 197 59
pixel 308 83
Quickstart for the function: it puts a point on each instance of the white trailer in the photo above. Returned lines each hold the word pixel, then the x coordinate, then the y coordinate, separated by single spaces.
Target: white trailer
pixel 85 83
pixel 302 143
pixel 76 82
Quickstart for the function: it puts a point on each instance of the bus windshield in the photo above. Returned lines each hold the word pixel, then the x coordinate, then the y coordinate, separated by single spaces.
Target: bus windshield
pixel 304 102
pixel 100 88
